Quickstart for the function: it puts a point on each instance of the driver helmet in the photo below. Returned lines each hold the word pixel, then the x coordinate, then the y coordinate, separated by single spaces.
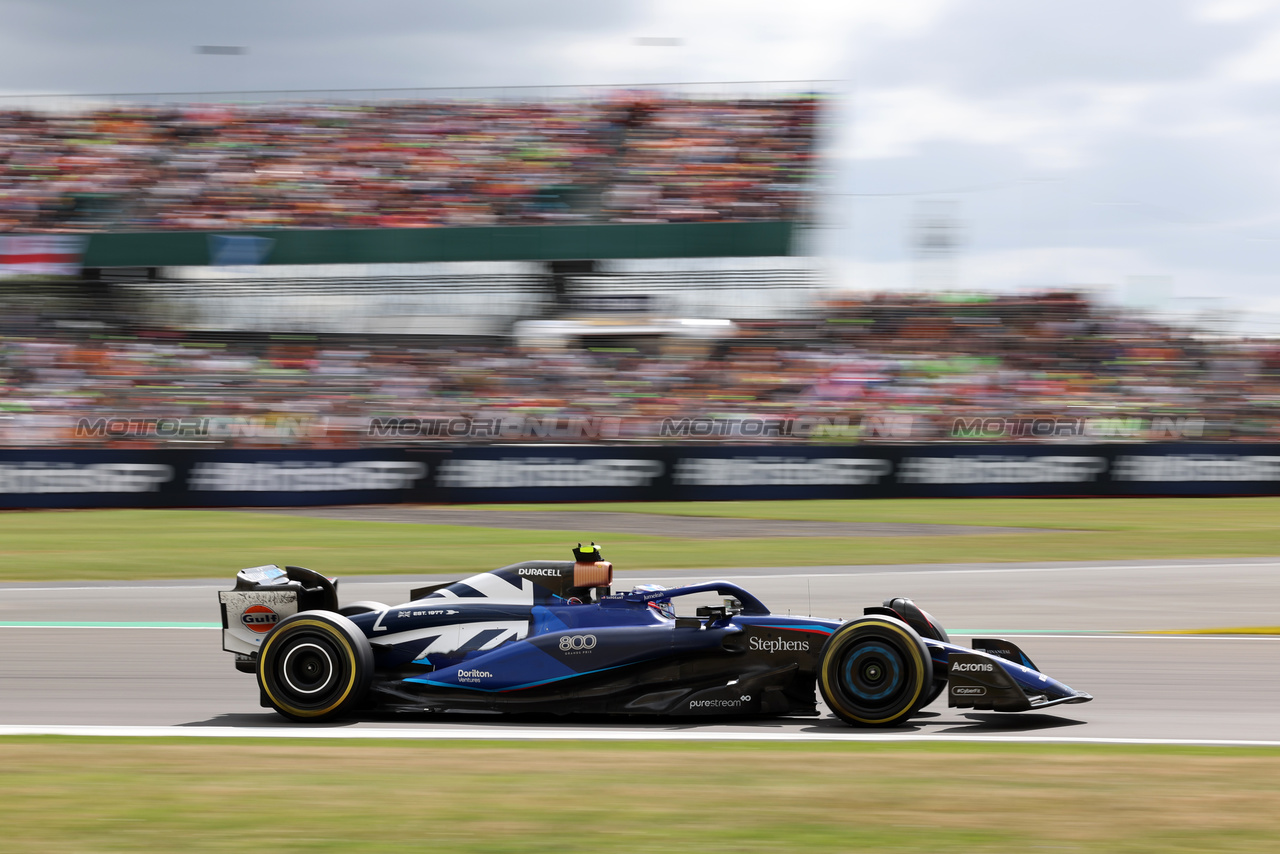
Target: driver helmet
pixel 662 606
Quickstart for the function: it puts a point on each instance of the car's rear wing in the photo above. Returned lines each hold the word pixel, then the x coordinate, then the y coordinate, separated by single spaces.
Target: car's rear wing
pixel 265 595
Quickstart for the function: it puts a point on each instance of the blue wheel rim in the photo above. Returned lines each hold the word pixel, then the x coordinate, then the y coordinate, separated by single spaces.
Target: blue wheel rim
pixel 872 672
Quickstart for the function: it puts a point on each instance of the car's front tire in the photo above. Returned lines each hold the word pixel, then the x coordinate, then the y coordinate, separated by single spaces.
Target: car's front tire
pixel 314 666
pixel 875 672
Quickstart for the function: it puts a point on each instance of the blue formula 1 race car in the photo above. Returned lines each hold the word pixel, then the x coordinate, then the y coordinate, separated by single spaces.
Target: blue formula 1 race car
pixel 550 636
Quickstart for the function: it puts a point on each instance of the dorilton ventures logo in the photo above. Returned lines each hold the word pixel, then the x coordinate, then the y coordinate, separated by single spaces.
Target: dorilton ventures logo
pixel 473 675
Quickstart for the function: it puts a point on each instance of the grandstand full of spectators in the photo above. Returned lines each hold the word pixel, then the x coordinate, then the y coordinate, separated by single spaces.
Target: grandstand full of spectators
pixel 635 157
pixel 916 361
pixel 918 364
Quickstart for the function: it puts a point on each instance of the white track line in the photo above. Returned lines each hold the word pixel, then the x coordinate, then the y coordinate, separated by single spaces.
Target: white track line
pixel 529 734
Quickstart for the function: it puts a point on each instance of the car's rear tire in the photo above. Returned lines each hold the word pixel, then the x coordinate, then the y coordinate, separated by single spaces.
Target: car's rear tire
pixel 875 672
pixel 314 666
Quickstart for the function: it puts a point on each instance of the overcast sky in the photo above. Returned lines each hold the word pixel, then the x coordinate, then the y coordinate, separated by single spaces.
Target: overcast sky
pixel 1130 145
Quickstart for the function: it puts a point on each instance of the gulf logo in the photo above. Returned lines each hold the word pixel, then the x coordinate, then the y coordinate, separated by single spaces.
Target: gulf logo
pixel 259 618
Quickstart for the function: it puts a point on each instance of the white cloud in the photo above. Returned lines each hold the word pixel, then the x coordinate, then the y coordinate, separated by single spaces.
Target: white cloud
pixel 1051 129
pixel 1233 11
pixel 1259 64
pixel 747 39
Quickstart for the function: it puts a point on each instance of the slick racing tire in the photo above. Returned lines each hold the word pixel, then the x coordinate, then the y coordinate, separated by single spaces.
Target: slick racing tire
pixel 314 666
pixel 875 672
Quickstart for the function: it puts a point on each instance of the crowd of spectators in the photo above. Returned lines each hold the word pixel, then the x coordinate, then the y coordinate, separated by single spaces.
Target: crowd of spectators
pixel 635 158
pixel 1053 367
pixel 879 368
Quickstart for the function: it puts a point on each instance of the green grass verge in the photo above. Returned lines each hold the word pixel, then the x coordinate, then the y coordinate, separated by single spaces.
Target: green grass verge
pixel 142 544
pixel 1094 514
pixel 86 795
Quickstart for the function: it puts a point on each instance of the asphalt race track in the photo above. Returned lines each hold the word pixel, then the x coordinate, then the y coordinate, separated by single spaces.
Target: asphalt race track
pixel 1082 623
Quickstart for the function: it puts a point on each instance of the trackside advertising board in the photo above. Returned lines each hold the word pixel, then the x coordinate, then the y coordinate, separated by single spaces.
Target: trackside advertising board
pixel 524 473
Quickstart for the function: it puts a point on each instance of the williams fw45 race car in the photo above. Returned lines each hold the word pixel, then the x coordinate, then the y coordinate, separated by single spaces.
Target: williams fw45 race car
pixel 549 636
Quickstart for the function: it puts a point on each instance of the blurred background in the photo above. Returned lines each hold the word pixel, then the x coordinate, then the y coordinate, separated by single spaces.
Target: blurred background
pixel 935 221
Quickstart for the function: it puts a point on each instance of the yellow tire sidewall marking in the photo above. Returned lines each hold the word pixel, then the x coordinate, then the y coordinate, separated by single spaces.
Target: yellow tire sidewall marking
pixel 351 681
pixel 830 692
